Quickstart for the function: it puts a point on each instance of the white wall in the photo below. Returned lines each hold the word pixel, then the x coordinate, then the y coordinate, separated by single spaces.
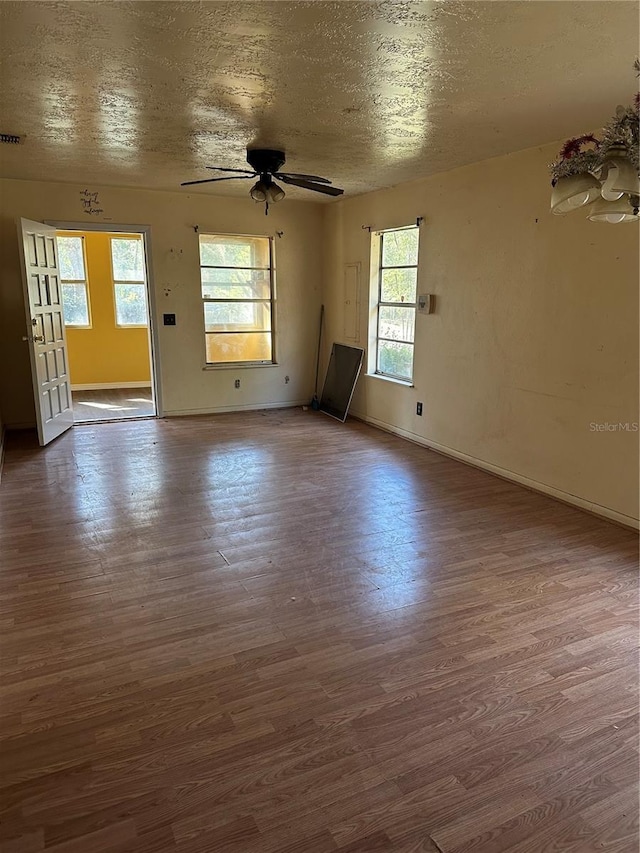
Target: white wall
pixel 535 335
pixel 186 386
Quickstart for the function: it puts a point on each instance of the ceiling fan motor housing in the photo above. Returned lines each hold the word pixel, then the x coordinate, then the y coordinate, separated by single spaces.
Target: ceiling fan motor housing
pixel 265 160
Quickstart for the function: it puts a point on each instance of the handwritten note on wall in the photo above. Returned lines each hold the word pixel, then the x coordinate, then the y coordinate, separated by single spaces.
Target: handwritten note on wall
pixel 90 202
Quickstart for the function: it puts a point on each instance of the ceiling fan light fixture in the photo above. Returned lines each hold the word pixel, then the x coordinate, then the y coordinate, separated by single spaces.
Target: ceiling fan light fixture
pixel 275 193
pixel 266 163
pixel 259 191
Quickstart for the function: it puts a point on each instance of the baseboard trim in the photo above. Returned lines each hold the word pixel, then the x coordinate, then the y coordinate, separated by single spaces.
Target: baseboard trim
pixel 109 386
pixel 550 491
pixel 249 407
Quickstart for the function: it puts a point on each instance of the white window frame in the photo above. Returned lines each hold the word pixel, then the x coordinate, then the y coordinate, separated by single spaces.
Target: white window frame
pixel 115 282
pixel 377 247
pixel 83 281
pixel 270 301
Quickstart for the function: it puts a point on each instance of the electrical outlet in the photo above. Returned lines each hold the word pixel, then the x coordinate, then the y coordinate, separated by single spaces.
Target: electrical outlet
pixel 419 409
pixel 237 383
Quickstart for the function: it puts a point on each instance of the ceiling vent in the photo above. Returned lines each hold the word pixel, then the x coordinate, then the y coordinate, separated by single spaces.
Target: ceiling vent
pixel 10 138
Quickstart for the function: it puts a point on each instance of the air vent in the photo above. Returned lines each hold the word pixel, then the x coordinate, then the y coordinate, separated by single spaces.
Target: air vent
pixel 10 138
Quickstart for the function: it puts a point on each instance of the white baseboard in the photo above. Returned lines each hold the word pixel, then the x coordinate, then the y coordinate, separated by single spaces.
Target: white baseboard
pixel 535 486
pixel 106 386
pixel 249 407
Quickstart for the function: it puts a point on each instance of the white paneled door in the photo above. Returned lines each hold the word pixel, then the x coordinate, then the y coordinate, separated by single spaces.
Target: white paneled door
pixel 45 336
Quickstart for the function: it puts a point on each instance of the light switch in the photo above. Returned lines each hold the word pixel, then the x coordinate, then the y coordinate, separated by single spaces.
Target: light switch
pixel 426 303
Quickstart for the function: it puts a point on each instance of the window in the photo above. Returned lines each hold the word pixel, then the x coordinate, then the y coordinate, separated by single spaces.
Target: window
pixel 73 276
pixel 236 276
pixel 396 302
pixel 127 261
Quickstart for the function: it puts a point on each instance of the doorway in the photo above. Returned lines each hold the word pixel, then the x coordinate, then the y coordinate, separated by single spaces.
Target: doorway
pixel 105 299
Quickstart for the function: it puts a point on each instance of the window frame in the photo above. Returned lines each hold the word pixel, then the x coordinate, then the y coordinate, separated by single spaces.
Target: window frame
pixel 115 282
pixel 84 282
pixel 408 380
pixel 271 301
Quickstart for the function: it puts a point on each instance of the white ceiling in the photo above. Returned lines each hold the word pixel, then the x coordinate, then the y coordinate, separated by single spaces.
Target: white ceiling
pixel 369 94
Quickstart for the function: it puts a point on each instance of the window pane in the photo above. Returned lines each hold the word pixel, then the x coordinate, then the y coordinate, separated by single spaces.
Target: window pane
pixel 235 284
pixel 395 359
pixel 239 347
pixel 237 316
pixel 71 258
pixel 225 251
pixel 127 258
pixel 400 248
pixel 398 285
pixel 396 323
pixel 74 304
pixel 236 272
pixel 130 305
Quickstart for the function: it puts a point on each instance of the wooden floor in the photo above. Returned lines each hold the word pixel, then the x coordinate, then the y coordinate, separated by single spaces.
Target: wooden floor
pixel 112 404
pixel 274 632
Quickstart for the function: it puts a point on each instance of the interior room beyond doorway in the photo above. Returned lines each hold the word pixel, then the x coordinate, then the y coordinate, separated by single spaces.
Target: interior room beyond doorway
pixel 106 314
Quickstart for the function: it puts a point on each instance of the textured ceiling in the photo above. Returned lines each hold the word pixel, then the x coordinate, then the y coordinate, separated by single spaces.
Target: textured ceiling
pixel 369 94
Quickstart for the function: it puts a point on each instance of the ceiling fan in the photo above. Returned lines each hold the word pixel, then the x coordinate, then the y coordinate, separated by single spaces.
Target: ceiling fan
pixel 266 164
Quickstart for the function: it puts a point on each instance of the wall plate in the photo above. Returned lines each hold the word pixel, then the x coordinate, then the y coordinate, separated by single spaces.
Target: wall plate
pixel 426 303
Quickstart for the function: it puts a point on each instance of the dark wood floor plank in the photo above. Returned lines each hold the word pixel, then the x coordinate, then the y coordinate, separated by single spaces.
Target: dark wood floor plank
pixel 273 633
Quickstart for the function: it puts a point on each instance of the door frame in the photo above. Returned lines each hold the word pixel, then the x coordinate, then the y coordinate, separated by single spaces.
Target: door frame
pixel 145 231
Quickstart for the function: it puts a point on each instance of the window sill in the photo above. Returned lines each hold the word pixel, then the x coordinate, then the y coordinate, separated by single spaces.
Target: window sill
pixel 240 365
pixel 405 382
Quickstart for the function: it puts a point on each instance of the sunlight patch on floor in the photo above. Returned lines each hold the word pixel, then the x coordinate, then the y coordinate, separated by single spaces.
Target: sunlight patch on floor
pixel 110 406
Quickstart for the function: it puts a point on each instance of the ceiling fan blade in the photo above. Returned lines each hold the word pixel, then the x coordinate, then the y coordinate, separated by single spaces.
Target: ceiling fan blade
pixel 221 169
pixel 315 178
pixel 307 185
pixel 211 180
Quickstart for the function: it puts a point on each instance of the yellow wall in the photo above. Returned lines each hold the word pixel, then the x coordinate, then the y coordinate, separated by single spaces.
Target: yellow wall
pixel 105 353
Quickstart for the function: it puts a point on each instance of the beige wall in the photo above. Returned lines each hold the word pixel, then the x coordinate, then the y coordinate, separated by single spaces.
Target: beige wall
pixel 185 385
pixel 535 335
